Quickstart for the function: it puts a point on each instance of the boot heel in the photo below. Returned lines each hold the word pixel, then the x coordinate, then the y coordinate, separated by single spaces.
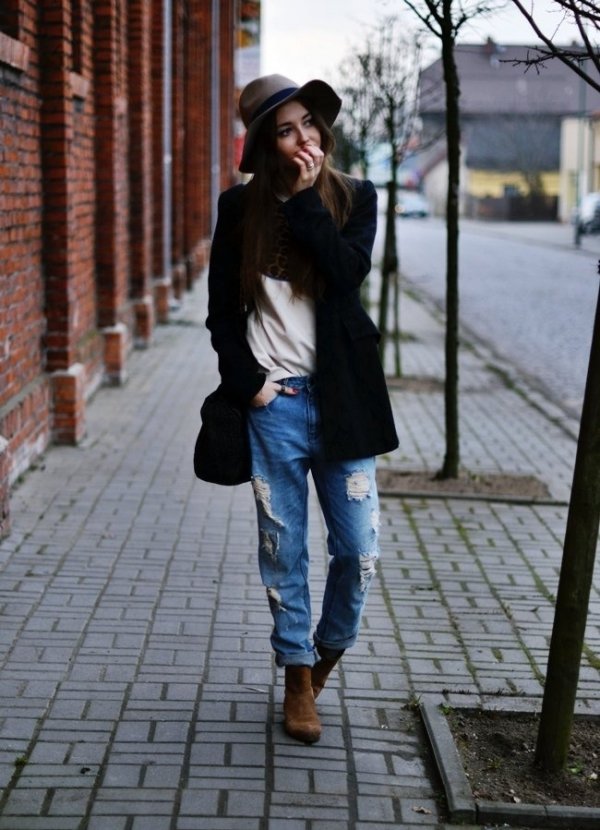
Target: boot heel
pixel 301 720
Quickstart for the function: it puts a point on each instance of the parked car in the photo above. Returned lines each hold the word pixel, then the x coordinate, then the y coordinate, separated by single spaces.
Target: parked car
pixel 411 203
pixel 587 215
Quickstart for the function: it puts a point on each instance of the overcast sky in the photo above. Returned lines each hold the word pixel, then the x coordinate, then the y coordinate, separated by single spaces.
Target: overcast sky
pixel 306 39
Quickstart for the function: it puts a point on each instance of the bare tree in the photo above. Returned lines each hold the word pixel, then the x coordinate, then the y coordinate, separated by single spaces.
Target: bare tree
pixel 361 109
pixel 444 19
pixel 583 521
pixel 385 74
pixel 357 121
pixel 395 76
pixel 576 575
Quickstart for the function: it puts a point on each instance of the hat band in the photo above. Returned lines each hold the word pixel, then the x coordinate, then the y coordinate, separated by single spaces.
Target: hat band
pixel 272 101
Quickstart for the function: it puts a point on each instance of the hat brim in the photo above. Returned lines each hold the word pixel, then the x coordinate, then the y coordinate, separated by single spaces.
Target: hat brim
pixel 316 93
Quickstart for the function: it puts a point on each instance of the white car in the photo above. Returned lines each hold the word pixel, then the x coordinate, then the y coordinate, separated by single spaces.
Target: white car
pixel 411 203
pixel 587 215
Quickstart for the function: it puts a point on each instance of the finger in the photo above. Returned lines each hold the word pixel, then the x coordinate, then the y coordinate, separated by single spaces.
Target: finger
pixel 306 158
pixel 309 160
pixel 303 165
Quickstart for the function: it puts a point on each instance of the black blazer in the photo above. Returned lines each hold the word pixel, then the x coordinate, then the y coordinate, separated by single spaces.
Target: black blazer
pixel 356 415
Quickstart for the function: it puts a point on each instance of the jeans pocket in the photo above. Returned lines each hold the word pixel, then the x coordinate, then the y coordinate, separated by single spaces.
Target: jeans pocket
pixel 266 406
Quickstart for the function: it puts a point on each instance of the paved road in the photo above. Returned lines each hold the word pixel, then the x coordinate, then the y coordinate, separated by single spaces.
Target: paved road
pixel 524 290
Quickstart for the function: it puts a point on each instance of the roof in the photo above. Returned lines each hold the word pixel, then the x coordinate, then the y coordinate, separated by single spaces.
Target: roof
pixel 489 83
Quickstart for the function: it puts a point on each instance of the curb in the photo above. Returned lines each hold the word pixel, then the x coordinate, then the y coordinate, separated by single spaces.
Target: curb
pixel 429 495
pixel 464 808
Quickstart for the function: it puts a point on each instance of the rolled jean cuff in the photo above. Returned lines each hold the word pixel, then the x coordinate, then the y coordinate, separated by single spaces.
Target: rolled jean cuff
pixel 333 650
pixel 306 658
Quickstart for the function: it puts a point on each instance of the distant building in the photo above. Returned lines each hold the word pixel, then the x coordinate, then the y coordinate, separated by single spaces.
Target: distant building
pixel 580 161
pixel 511 121
pixel 116 132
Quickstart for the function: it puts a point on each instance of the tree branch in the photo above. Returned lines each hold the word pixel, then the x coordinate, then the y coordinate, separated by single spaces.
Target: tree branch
pixel 571 57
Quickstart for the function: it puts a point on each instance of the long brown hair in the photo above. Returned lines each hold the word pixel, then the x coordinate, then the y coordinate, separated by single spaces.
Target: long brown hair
pixel 261 222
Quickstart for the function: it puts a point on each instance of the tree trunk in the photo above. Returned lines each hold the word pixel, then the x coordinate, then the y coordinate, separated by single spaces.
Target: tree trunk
pixel 451 464
pixel 365 286
pixel 572 601
pixel 397 328
pixel 389 265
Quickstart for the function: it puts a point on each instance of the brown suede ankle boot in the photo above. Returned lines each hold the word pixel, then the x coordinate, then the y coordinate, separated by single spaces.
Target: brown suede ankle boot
pixel 301 720
pixel 321 671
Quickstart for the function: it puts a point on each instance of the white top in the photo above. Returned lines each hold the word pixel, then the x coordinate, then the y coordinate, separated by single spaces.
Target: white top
pixel 282 337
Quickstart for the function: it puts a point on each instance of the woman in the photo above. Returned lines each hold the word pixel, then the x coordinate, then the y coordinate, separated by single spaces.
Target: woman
pixel 295 346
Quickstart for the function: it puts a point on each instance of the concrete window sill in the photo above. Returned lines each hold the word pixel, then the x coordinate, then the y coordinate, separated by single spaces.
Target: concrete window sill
pixel 80 86
pixel 13 53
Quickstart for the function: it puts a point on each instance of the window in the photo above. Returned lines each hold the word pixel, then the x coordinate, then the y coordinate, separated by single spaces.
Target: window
pixel 9 18
pixel 77 35
pixel 13 52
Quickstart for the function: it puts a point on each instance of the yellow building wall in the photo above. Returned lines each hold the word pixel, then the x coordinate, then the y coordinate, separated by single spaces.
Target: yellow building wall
pixel 482 183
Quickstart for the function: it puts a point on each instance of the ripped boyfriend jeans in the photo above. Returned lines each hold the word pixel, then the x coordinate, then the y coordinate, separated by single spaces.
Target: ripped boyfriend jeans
pixel 285 443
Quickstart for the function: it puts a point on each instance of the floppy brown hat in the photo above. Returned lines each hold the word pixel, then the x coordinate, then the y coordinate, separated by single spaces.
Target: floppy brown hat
pixel 263 95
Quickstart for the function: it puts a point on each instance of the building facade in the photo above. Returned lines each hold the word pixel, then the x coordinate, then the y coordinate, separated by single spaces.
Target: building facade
pixel 511 121
pixel 116 132
pixel 580 161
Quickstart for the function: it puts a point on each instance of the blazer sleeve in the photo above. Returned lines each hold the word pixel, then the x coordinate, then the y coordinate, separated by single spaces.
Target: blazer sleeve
pixel 342 256
pixel 226 319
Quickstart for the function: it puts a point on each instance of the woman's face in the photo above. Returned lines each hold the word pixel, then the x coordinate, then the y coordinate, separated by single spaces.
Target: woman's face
pixel 295 132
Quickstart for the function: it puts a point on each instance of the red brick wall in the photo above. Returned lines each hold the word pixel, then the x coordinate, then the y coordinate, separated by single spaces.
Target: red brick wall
pixel 21 287
pixel 67 142
pixel 73 345
pixel 24 391
pixel 81 198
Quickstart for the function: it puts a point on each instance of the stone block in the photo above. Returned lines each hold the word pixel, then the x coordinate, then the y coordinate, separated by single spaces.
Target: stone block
pixel 144 321
pixel 162 297
pixel 179 280
pixel 116 343
pixel 68 397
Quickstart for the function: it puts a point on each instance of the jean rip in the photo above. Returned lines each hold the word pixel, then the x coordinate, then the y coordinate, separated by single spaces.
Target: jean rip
pixel 262 494
pixel 275 599
pixel 358 486
pixel 368 563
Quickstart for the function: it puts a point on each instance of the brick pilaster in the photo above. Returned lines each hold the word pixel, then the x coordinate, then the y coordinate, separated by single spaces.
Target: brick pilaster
pixel 69 205
pixel 112 171
pixel 162 280
pixel 140 166
pixel 197 214
pixel 227 25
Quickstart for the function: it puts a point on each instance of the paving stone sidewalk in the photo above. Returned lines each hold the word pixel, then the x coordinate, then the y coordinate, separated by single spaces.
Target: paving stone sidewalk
pixel 136 683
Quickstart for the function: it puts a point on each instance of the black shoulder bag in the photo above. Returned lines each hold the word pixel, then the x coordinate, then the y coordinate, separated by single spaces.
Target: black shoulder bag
pixel 222 452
